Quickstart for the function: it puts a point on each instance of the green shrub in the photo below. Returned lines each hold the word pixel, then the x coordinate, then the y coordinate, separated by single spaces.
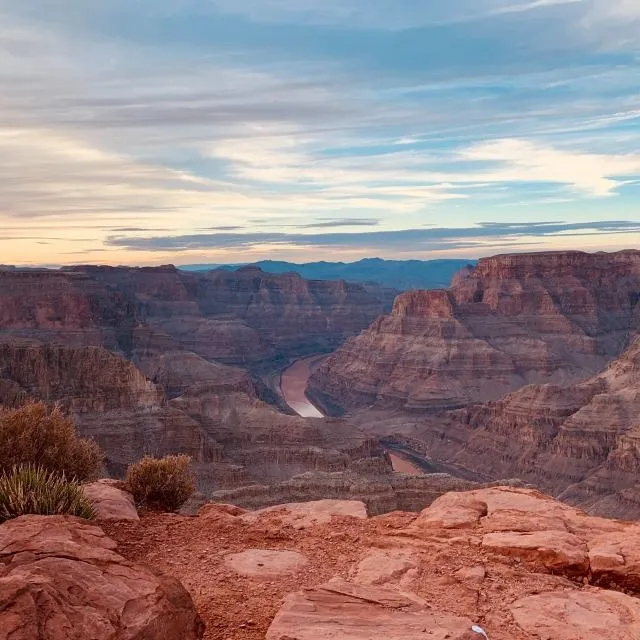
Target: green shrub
pixel 164 484
pixel 34 490
pixel 41 437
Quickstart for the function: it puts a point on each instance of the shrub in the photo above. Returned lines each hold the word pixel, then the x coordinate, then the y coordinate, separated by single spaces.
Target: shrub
pixel 34 490
pixel 164 484
pixel 41 437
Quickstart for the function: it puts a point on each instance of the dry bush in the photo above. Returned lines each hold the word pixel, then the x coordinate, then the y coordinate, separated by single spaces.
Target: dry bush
pixel 36 435
pixel 33 490
pixel 161 483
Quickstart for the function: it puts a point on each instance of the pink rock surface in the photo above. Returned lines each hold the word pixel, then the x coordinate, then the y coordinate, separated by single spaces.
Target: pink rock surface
pixel 265 563
pixel 111 501
pixel 579 615
pixel 62 579
pixel 345 611
pixel 301 515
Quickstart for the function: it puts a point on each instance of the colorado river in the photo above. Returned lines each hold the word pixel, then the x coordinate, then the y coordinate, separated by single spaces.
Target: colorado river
pixel 293 386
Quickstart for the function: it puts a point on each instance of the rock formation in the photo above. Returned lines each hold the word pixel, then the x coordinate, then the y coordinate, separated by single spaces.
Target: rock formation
pixel 511 560
pixel 111 499
pixel 382 491
pixel 512 320
pixel 62 579
pixel 217 416
pixel 581 443
pixel 242 317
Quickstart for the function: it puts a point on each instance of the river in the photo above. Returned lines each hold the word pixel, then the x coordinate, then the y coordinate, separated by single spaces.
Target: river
pixel 293 386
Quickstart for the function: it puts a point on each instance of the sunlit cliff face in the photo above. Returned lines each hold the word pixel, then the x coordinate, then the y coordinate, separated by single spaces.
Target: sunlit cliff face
pixel 218 131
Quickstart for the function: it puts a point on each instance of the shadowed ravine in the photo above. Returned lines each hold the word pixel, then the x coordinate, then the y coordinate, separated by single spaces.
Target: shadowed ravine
pixel 293 386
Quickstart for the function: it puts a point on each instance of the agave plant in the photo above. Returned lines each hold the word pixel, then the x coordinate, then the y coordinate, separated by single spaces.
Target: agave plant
pixel 29 489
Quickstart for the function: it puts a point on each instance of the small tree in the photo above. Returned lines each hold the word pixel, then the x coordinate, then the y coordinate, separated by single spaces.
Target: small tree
pixel 29 490
pixel 164 484
pixel 42 437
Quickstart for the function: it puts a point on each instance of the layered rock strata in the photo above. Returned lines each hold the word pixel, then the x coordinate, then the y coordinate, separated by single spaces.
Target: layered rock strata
pixel 512 320
pixel 242 317
pixel 582 443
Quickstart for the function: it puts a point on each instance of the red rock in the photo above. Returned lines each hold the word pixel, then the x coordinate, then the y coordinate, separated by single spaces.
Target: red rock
pixel 614 558
pixel 342 610
pixel 579 615
pixel 111 501
pixel 265 564
pixel 383 567
pixel 555 550
pixel 513 320
pixel 215 508
pixel 301 515
pixel 61 579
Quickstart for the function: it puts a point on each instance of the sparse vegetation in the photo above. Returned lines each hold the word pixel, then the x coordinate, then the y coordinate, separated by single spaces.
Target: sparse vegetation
pixel 164 484
pixel 37 491
pixel 45 438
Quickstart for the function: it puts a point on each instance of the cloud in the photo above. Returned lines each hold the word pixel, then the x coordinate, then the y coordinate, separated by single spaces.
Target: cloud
pixel 342 222
pixel 524 161
pixel 531 6
pixel 403 240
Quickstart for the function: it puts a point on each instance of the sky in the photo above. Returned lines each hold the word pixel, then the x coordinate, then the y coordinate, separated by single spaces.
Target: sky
pixel 190 131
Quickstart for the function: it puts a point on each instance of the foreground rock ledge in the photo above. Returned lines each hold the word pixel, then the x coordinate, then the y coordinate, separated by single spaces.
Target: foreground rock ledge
pixel 61 579
pixel 340 609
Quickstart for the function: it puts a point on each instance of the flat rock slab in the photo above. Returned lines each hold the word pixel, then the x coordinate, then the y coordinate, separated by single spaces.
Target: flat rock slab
pixel 386 566
pixel 302 515
pixel 341 610
pixel 262 563
pixel 111 501
pixel 579 615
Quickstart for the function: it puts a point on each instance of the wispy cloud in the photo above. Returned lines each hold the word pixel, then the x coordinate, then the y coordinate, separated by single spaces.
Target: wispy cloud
pixel 403 240
pixel 328 223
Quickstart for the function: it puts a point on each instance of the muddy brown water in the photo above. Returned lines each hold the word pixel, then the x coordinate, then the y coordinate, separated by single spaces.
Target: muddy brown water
pixel 293 385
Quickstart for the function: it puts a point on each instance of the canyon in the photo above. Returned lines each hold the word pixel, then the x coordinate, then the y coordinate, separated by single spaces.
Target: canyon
pixel 525 370
pixel 528 366
pixel 510 321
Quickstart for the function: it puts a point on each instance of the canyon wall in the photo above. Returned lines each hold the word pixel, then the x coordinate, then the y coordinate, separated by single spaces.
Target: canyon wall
pixel 511 321
pixel 245 317
pixel 581 443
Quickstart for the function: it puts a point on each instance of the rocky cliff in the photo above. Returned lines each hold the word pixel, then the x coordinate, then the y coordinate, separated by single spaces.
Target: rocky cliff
pixel 581 443
pixel 511 321
pixel 215 414
pixel 240 317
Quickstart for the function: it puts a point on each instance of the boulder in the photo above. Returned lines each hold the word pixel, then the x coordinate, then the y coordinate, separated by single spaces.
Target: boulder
pixel 614 558
pixel 555 550
pixel 383 566
pixel 62 579
pixel 111 500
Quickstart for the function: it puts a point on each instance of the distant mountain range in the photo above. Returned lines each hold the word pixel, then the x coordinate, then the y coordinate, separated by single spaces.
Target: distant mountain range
pixel 397 274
